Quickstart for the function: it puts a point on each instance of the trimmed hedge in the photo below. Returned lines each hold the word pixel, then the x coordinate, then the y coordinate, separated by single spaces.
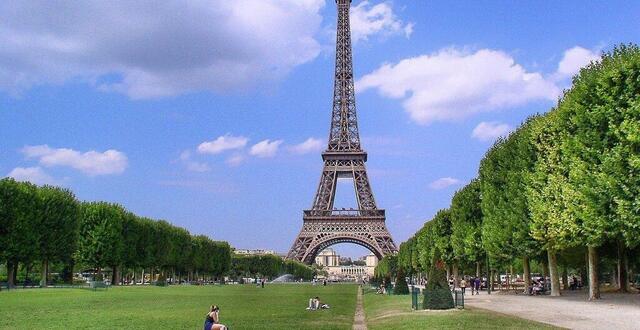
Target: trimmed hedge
pixel 439 298
pixel 437 294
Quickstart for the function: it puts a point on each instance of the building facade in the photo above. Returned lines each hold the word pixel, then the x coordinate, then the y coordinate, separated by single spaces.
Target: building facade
pixel 328 258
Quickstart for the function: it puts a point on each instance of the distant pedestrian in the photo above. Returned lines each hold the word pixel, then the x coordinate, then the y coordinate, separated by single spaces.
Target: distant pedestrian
pixel 477 283
pixel 262 283
pixel 463 285
pixel 472 280
pixel 324 282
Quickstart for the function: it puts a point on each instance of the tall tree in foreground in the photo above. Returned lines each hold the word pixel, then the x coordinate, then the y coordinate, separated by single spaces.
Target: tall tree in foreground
pixel 506 213
pixel 58 214
pixel 100 241
pixel 466 224
pixel 19 231
pixel 550 195
pixel 603 151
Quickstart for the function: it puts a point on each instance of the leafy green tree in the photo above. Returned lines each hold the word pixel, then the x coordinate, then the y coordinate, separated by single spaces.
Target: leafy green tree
pixel 405 256
pixel 58 213
pixel 19 232
pixel 602 113
pixel 504 172
pixel 401 286
pixel 550 195
pixel 386 268
pixel 466 224
pixel 100 241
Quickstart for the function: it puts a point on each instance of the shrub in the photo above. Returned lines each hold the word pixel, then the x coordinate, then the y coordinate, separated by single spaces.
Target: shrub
pixel 437 294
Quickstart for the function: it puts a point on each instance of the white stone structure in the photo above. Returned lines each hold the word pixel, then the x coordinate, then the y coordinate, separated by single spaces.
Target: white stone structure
pixel 328 258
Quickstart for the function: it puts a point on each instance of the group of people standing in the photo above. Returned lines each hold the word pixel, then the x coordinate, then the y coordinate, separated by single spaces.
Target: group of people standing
pixel 474 282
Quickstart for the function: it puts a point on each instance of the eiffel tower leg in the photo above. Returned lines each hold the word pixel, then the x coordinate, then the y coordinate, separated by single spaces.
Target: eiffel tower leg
pixel 326 188
pixel 363 189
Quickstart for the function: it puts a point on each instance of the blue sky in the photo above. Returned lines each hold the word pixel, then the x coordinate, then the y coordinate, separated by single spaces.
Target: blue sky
pixel 198 113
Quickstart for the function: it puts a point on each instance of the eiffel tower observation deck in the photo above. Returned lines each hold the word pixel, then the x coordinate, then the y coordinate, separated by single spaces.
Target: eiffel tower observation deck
pixel 323 225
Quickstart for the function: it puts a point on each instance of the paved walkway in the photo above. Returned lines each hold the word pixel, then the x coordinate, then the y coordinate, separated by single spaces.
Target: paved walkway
pixel 359 322
pixel 572 310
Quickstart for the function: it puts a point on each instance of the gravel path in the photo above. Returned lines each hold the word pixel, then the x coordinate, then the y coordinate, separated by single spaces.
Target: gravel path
pixel 572 310
pixel 359 322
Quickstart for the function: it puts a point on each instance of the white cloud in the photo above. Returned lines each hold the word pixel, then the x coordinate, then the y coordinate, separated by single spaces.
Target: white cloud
pixel 444 183
pixel 574 59
pixel 453 84
pixel 90 162
pixel 34 175
pixel 235 160
pixel 265 148
pixel 222 143
pixel 310 145
pixel 367 20
pixel 147 49
pixel 192 165
pixel 489 131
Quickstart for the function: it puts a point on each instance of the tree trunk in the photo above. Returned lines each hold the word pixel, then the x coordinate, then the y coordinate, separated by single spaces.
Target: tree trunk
pixel 68 272
pixel 623 277
pixel 10 278
pixel 26 275
pixel 45 273
pixel 142 276
pixel 545 267
pixel 553 272
pixel 594 285
pixel 114 275
pixel 477 268
pixel 448 273
pixel 455 275
pixel 493 279
pixel 12 274
pixel 527 272
pixel 565 278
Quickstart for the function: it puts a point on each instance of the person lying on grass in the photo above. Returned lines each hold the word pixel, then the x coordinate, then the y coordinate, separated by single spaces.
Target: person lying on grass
pixel 212 320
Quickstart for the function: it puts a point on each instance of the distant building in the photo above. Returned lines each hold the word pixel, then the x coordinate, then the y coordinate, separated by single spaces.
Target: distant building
pixel 371 260
pixel 328 258
pixel 253 252
pixel 334 265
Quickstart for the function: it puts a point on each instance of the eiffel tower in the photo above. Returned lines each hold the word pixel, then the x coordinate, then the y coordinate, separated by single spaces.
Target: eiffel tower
pixel 323 225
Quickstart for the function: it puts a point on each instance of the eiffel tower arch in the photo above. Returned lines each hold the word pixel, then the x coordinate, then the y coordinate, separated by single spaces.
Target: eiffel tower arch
pixel 323 225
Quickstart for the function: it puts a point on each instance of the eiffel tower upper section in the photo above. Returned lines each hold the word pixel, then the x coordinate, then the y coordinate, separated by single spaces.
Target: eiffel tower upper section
pixel 344 136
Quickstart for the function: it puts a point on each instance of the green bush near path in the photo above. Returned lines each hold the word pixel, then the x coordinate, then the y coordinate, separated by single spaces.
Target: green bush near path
pixel 394 312
pixel 178 307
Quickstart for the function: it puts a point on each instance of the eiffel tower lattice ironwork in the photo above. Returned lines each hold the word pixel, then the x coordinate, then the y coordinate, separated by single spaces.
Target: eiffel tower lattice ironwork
pixel 323 225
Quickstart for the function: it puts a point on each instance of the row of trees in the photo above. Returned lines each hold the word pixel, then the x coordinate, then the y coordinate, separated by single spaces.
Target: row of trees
pixel 49 225
pixel 269 266
pixel 563 189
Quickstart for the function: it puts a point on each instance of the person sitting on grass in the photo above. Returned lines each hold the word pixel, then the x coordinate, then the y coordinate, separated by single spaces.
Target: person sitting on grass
pixel 315 304
pixel 212 320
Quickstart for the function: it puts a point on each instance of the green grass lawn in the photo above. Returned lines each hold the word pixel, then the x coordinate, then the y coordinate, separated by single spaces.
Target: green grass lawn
pixel 179 307
pixel 394 312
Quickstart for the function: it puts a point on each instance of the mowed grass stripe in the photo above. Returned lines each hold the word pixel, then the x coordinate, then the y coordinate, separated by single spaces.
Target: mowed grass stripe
pixel 178 307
